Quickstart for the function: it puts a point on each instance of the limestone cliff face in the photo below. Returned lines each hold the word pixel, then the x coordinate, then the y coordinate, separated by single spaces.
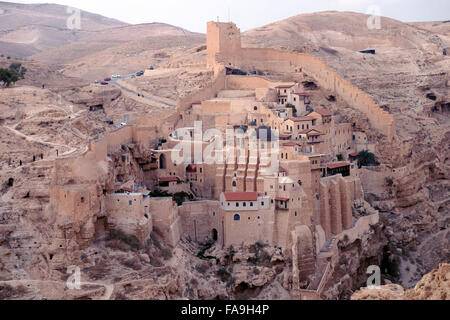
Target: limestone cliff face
pixel 349 268
pixel 433 286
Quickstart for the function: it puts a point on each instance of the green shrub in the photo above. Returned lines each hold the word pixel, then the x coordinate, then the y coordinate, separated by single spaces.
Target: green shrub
pixel 367 159
pixel 294 109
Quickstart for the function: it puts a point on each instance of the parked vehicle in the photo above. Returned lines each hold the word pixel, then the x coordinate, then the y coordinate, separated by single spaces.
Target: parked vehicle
pixel 104 83
pixel 107 79
pixel 97 81
pixel 116 76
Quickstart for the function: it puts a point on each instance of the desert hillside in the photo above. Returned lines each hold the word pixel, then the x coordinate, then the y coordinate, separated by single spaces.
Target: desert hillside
pixel 39 32
pixel 30 28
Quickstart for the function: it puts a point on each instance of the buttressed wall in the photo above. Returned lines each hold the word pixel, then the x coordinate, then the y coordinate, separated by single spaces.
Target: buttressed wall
pixel 224 47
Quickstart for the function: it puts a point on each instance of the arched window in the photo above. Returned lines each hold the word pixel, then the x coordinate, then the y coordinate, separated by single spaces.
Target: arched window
pixel 162 162
pixel 237 217
pixel 234 184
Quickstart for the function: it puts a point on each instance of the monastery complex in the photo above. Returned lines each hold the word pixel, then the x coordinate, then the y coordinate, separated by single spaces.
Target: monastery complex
pixel 302 199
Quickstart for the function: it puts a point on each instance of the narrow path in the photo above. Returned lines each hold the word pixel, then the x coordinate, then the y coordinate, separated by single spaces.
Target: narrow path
pixel 28 138
pixel 109 288
pixel 115 82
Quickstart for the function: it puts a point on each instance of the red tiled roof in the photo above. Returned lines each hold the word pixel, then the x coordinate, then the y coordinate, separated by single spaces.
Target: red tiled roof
pixel 289 144
pixel 241 196
pixel 281 170
pixel 354 154
pixel 284 136
pixel 127 189
pixel 197 102
pixel 324 113
pixel 191 168
pixel 299 119
pixel 338 165
pixel 169 179
pixel 282 199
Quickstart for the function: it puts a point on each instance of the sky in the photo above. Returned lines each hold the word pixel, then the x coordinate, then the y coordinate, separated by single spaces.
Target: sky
pixel 247 14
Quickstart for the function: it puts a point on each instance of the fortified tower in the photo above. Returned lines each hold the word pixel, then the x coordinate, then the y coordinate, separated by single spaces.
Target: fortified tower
pixel 222 38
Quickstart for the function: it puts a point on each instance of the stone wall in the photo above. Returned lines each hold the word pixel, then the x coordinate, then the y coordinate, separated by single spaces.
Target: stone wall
pixel 286 61
pixel 129 213
pixel 199 220
pixel 336 202
pixel 166 221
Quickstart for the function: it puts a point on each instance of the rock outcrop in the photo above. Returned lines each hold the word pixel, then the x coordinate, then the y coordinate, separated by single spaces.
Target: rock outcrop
pixel 433 286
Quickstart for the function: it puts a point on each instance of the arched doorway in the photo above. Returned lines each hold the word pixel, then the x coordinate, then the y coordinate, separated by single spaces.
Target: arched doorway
pixel 162 162
pixel 215 234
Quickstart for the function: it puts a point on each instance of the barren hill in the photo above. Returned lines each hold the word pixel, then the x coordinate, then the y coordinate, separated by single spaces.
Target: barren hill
pixel 29 28
pixel 40 32
pixel 127 41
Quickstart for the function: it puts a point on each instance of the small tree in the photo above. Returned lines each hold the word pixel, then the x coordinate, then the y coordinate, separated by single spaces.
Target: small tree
pixel 14 73
pixel 18 69
pixel 294 109
pixel 7 77
pixel 367 159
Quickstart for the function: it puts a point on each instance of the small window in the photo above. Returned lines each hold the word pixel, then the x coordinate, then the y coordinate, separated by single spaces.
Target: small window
pixel 130 203
pixel 244 204
pixel 237 204
pixel 82 199
pixel 237 217
pixel 251 204
pixel 262 204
